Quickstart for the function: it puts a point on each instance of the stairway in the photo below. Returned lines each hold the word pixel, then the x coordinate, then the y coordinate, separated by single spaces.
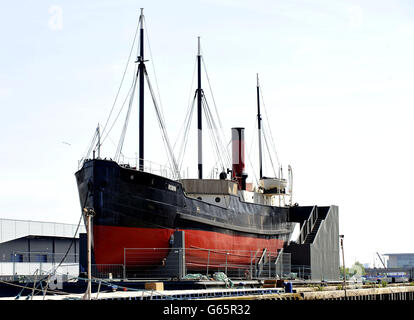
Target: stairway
pixel 311 236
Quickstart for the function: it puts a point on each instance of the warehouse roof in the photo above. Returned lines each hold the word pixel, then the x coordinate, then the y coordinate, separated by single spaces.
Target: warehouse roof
pixel 14 229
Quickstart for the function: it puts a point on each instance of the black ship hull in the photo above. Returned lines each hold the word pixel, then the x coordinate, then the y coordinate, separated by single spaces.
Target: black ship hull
pixel 136 210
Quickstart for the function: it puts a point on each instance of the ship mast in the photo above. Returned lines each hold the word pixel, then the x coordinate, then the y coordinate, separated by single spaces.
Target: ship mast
pixel 140 77
pixel 141 73
pixel 199 114
pixel 259 126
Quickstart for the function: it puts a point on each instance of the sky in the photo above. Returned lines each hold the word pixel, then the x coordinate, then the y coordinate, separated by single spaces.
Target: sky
pixel 337 84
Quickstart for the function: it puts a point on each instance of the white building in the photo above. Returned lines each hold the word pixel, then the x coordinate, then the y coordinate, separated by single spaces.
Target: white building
pixel 400 260
pixel 29 247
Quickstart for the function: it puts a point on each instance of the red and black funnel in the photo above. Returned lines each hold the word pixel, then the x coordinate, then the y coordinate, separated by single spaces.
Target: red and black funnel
pixel 237 140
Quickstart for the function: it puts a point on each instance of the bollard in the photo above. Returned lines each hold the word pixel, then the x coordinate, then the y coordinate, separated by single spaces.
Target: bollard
pixel 288 287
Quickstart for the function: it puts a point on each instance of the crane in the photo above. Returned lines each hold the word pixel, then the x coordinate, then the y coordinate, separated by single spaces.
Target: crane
pixel 381 260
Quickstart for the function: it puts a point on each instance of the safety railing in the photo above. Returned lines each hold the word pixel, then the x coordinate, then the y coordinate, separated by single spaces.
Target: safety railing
pixel 26 264
pixel 187 262
pixel 308 225
pixel 107 271
pixel 302 272
pixel 158 263
pixel 149 166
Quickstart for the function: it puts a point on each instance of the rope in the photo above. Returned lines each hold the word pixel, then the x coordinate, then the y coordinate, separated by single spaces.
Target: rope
pixel 270 128
pixel 224 150
pixel 212 96
pixel 152 63
pixel 161 123
pixel 122 138
pixel 25 287
pixel 268 151
pixel 70 246
pixel 122 80
pixel 213 142
pixel 213 135
pixel 187 121
pixel 122 107
pixel 88 152
pixel 250 151
pixel 250 162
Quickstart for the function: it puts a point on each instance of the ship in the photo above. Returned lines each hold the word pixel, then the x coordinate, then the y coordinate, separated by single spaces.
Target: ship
pixel 135 209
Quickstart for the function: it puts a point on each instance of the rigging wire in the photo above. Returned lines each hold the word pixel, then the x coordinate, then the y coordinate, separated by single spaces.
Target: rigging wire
pixel 211 133
pixel 161 123
pixel 119 113
pixel 88 152
pixel 250 151
pixel 29 288
pixel 122 80
pixel 270 129
pixel 120 86
pixel 192 82
pixel 186 123
pixel 215 164
pixel 222 151
pixel 152 63
pixel 250 162
pixel 268 151
pixel 215 136
pixel 186 133
pixel 212 96
pixel 131 94
pixel 122 138
pixel 190 104
pixel 225 150
pixel 70 245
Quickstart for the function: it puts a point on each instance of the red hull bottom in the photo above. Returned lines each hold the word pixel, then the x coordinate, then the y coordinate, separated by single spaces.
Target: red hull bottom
pixel 148 247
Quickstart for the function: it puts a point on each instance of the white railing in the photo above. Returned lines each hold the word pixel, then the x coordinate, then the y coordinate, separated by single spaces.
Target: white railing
pixel 308 225
pixel 149 166
pixel 42 268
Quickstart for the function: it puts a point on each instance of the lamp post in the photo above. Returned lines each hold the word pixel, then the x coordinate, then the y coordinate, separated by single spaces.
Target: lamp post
pixel 341 237
pixel 89 213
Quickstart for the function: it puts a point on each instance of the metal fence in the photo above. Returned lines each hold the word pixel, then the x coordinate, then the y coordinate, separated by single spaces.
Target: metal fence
pixel 107 271
pixel 162 263
pixel 28 264
pixel 192 262
pixel 301 272
pixel 149 166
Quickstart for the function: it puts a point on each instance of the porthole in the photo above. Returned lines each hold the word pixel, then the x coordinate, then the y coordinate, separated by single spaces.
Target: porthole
pixel 217 199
